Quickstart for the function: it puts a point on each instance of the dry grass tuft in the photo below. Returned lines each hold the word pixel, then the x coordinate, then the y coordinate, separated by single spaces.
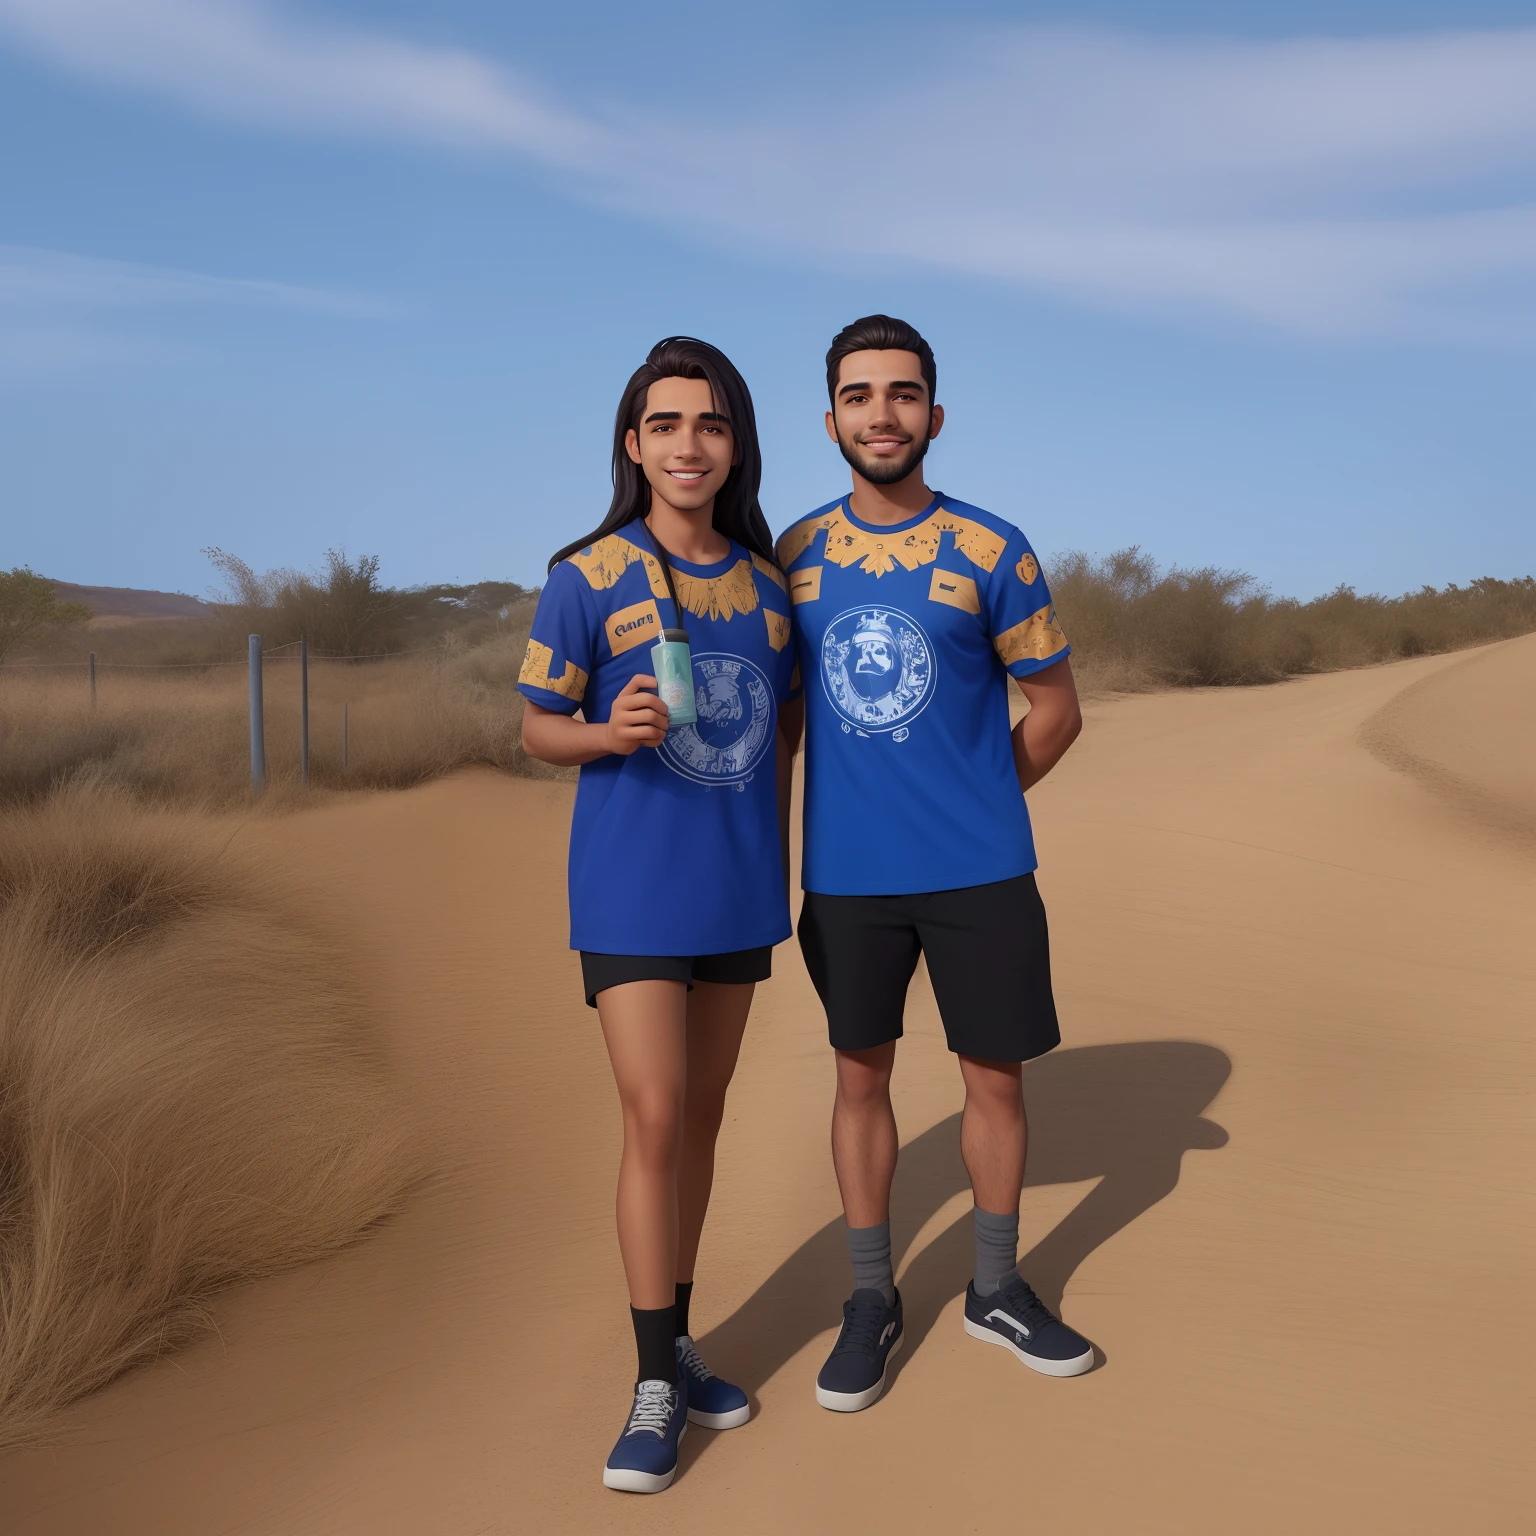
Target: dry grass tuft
pixel 190 1094
pixel 181 736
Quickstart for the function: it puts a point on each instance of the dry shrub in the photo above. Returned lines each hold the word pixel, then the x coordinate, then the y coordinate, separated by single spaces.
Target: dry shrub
pixel 190 1093
pixel 181 736
pixel 1134 626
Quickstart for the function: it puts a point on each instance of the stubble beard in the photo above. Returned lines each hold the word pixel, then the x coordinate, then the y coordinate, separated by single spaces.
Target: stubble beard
pixel 884 471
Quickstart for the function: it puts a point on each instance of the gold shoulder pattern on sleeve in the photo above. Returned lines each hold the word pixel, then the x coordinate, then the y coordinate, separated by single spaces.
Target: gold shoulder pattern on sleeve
pixel 794 542
pixel 604 562
pixel 571 684
pixel 977 543
pixel 778 628
pixel 1027 568
pixel 771 571
pixel 1036 639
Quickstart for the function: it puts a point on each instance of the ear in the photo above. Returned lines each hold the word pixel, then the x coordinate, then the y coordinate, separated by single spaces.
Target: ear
pixel 632 445
pixel 936 421
pixel 831 426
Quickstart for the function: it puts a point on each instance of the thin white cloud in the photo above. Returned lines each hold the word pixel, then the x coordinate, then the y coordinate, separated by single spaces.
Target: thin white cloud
pixel 241 60
pixel 41 280
pixel 61 312
pixel 1328 187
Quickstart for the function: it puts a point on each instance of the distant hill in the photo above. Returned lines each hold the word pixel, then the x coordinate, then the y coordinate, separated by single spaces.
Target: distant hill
pixel 131 602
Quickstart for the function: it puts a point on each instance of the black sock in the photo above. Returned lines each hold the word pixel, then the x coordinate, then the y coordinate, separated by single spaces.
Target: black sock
pixel 655 1333
pixel 684 1292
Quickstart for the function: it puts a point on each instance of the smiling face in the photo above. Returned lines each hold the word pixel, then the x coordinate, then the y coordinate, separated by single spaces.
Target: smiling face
pixel 683 444
pixel 883 419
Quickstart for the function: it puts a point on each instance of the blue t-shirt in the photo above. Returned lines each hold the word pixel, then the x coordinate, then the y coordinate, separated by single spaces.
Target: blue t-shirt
pixel 906 636
pixel 674 849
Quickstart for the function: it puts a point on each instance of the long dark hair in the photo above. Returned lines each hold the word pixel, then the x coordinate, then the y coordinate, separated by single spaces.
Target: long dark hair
pixel 737 513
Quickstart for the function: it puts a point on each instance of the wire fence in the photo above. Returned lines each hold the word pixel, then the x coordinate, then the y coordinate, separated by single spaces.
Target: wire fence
pixel 254 662
pixel 289 652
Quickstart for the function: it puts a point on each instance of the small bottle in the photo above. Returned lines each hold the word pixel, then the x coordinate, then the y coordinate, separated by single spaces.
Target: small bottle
pixel 673 664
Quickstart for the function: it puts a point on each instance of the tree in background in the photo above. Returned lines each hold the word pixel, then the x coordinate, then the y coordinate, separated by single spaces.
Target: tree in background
pixel 342 609
pixel 27 603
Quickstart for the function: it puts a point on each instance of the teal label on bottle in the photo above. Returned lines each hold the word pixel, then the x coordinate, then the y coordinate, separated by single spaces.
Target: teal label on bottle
pixel 673 665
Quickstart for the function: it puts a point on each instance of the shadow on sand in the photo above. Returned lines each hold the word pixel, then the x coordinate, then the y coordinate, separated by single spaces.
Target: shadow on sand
pixel 1122 1114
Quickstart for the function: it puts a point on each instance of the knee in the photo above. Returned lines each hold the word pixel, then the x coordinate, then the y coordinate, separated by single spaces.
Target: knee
pixel 862 1085
pixel 995 1091
pixel 703 1112
pixel 653 1124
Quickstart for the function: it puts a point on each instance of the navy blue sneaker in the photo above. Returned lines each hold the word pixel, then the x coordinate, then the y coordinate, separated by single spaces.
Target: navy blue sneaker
pixel 645 1459
pixel 1016 1318
pixel 711 1403
pixel 854 1375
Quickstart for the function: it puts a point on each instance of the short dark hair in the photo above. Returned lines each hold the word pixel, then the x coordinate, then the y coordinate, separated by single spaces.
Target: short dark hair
pixel 880 333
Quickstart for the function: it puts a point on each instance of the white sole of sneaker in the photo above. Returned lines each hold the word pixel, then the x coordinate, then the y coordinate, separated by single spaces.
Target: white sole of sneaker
pixel 852 1402
pixel 720 1420
pixel 1073 1367
pixel 627 1481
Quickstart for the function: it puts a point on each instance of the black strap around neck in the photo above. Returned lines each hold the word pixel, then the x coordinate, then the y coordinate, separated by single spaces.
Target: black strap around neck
pixel 666 570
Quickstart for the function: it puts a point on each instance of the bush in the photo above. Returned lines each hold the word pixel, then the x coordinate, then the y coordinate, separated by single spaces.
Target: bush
pixel 1134 626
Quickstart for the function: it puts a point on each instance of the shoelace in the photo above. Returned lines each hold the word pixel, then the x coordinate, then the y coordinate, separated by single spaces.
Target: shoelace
pixel 1026 1306
pixel 861 1327
pixel 695 1366
pixel 654 1404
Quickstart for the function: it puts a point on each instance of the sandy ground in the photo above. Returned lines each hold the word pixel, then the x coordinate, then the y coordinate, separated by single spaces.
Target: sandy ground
pixel 1281 1172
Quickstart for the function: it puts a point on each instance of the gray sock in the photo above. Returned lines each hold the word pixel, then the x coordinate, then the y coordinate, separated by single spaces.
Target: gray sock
pixel 997 1249
pixel 871 1251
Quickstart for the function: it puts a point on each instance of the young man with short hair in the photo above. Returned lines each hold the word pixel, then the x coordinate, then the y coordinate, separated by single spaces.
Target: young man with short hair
pixel 911 610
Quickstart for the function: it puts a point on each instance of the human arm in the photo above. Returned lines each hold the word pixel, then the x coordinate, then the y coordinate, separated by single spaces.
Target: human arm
pixel 638 719
pixel 1054 722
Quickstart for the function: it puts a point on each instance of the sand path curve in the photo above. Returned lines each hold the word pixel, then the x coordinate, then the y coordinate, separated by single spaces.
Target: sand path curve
pixel 1282 1173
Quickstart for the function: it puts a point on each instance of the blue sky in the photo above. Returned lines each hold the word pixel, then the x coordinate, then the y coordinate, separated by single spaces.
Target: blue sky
pixel 277 276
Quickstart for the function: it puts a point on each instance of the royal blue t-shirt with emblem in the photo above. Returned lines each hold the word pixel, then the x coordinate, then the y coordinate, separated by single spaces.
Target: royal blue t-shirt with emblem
pixel 906 637
pixel 674 849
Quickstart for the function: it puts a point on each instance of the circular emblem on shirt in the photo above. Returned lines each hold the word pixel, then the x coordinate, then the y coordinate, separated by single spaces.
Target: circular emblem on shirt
pixel 735 726
pixel 876 667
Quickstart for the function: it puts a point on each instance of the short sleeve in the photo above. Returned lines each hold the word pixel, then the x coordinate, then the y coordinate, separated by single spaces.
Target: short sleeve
pixel 1020 615
pixel 773 594
pixel 787 672
pixel 562 643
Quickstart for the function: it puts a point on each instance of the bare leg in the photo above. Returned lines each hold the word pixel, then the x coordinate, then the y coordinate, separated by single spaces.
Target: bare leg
pixel 992 1133
pixel 717 1017
pixel 644 1026
pixel 864 1134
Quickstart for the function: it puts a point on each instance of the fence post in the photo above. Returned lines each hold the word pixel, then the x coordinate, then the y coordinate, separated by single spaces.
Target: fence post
pixel 304 705
pixel 258 724
pixel 93 679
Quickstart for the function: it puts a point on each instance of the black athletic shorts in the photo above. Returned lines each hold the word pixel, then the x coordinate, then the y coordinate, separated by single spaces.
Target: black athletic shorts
pixel 988 958
pixel 599 972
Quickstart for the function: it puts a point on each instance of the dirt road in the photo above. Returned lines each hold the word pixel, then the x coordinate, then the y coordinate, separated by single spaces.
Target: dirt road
pixel 1281 1171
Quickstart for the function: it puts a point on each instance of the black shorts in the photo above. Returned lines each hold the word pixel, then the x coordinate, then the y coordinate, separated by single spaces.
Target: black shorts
pixel 599 972
pixel 988 958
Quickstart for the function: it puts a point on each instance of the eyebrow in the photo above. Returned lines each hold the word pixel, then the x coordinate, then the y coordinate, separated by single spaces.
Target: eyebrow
pixel 894 384
pixel 678 416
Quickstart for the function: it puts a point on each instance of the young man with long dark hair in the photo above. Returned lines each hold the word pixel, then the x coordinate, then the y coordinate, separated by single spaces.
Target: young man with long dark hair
pixel 912 609
pixel 678 889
